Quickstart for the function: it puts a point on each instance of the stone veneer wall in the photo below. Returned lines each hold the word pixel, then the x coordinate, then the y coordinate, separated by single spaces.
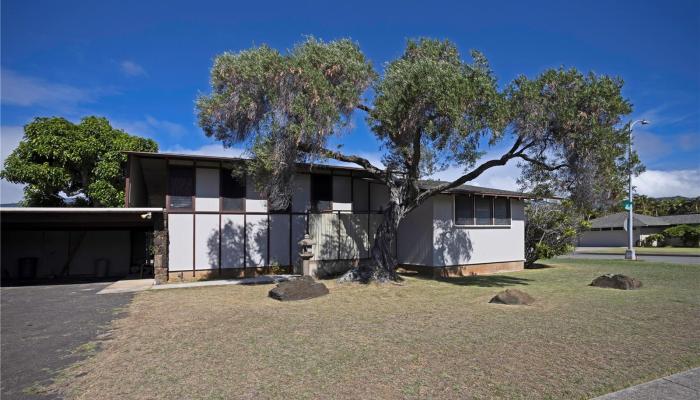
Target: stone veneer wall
pixel 160 247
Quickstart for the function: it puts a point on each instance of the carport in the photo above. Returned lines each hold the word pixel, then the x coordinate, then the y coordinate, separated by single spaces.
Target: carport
pixel 78 243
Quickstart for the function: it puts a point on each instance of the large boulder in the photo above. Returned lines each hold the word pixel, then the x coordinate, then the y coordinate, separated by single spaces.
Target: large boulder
pixel 298 289
pixel 617 281
pixel 513 297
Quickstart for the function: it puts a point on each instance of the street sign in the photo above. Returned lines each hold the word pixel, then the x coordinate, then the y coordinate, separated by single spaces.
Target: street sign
pixel 627 204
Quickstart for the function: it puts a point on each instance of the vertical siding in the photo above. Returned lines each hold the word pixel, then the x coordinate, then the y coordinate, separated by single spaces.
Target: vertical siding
pixel 279 239
pixel 416 236
pixel 301 194
pixel 207 189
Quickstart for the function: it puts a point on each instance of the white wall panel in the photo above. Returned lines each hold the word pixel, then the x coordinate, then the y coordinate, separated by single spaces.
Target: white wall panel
pixel 279 239
pixel 206 241
pixel 207 189
pixel 342 193
pixel 180 232
pixel 232 231
pixel 301 194
pixel 415 236
pixel 459 246
pixel 256 240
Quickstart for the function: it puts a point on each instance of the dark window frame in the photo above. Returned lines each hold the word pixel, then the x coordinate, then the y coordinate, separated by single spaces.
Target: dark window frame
pixel 237 187
pixel 170 187
pixel 326 192
pixel 492 212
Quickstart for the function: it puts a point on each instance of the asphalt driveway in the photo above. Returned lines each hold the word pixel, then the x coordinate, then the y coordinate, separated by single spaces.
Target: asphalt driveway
pixel 46 328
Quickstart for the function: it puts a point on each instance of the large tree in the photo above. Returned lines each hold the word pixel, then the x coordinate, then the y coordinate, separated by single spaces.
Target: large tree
pixel 429 110
pixel 85 160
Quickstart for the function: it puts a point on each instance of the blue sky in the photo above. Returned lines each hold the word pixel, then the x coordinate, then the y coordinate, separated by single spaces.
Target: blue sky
pixel 142 63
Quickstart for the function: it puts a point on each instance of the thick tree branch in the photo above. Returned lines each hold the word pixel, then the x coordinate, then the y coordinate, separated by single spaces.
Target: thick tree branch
pixel 541 163
pixel 364 108
pixel 335 155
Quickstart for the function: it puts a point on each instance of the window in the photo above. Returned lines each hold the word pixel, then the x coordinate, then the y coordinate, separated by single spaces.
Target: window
pixel 321 192
pixel 180 187
pixel 483 210
pixel 501 211
pixel 232 191
pixel 464 210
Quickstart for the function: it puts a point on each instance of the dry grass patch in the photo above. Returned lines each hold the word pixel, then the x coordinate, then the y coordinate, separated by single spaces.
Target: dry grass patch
pixel 424 339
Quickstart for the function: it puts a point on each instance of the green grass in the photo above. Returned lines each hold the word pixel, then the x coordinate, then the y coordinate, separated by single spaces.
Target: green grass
pixel 643 250
pixel 422 339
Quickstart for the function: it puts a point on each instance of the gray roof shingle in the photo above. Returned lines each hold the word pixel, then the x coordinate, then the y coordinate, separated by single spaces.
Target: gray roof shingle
pixel 617 220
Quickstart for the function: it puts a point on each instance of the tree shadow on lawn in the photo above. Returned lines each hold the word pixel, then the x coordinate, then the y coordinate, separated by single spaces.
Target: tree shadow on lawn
pixel 482 280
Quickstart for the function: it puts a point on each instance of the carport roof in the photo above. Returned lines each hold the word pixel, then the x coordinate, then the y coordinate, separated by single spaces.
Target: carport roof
pixel 57 218
pixel 617 220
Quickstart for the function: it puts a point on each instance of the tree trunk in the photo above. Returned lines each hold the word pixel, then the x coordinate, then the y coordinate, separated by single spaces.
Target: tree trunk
pixel 384 263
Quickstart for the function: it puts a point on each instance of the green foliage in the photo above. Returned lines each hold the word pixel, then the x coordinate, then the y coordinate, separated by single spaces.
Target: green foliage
pixel 654 240
pixel 663 206
pixel 551 229
pixel 83 159
pixel 688 234
pixel 279 103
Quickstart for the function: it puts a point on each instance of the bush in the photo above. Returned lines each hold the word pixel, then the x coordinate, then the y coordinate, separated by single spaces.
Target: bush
pixel 551 229
pixel 654 240
pixel 689 235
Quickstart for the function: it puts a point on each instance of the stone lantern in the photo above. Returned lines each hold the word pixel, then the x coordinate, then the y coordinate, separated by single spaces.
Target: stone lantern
pixel 306 243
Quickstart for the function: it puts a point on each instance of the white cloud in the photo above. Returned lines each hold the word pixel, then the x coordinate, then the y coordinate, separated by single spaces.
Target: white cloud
pixel 10 137
pixel 25 91
pixel 130 68
pixel 655 183
pixel 150 127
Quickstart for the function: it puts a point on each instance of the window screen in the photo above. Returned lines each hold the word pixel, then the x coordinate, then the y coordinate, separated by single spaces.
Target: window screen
pixel 232 191
pixel 180 187
pixel 464 210
pixel 501 211
pixel 483 210
pixel 321 192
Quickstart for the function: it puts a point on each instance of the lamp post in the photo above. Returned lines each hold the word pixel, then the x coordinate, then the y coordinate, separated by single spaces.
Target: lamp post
pixel 630 254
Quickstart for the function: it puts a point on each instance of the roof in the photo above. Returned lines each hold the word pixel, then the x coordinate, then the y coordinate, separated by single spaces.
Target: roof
pixel 80 210
pixel 471 189
pixel 682 219
pixel 76 218
pixel 617 220
pixel 424 184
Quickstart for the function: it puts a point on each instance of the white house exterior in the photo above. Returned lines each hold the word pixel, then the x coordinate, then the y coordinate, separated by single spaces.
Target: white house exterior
pixel 218 226
pixel 610 230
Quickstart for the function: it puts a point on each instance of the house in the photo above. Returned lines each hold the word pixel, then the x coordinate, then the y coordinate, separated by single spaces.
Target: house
pixel 210 223
pixel 611 230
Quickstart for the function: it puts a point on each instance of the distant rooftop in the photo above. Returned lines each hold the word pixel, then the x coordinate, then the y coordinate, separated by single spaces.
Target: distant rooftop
pixel 617 220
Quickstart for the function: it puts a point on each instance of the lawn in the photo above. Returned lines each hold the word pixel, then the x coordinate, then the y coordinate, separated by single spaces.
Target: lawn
pixel 642 250
pixel 423 339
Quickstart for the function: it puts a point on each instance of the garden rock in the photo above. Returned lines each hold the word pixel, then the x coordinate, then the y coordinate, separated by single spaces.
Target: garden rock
pixel 513 297
pixel 617 281
pixel 298 289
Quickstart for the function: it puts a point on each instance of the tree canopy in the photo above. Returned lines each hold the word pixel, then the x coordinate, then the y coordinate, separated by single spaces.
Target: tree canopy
pixel 86 160
pixel 430 110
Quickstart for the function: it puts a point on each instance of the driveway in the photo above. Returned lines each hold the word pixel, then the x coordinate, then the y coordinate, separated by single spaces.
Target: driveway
pixel 42 328
pixel 666 259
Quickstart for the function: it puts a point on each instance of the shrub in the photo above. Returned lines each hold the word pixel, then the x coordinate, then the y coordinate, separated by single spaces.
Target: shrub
pixel 689 235
pixel 654 240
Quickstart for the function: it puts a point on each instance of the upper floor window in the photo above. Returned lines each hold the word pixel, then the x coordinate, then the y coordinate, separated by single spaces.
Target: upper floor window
pixel 464 210
pixel 232 191
pixel 501 211
pixel 180 187
pixel 321 192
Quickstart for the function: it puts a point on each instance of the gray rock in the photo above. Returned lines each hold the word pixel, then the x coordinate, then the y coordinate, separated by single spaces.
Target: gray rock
pixel 298 289
pixel 617 281
pixel 512 297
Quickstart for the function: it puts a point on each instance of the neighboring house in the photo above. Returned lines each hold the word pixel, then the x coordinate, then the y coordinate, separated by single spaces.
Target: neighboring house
pixel 611 230
pixel 209 223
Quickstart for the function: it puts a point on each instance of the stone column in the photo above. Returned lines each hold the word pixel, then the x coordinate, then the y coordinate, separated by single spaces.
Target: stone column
pixel 160 247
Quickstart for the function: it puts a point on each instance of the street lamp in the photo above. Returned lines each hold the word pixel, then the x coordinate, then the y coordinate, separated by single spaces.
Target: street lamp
pixel 630 254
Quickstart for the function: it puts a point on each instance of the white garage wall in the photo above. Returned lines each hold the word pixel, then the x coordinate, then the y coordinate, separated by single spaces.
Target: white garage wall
pixel 180 250
pixel 207 189
pixel 458 246
pixel 256 240
pixel 232 241
pixel 206 241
